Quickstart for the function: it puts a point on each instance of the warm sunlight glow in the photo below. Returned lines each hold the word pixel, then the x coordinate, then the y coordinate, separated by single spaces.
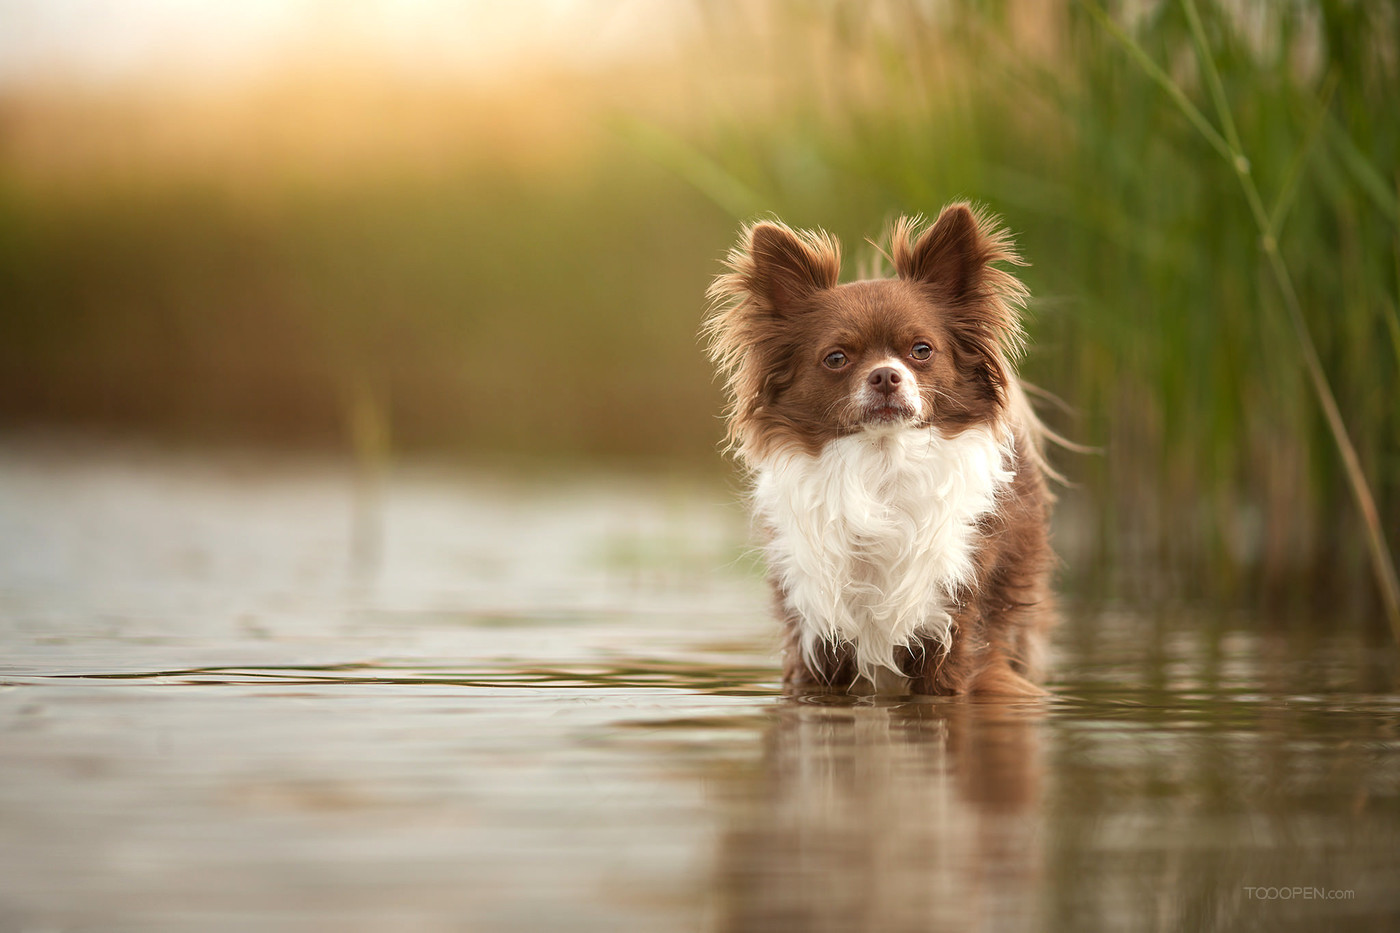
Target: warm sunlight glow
pixel 210 40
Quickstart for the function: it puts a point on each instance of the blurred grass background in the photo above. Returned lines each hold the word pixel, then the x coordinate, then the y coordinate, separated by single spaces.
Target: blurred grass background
pixel 334 250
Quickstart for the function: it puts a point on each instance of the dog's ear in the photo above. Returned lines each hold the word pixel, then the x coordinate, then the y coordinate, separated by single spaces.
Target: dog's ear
pixel 954 259
pixel 949 256
pixel 978 303
pixel 785 266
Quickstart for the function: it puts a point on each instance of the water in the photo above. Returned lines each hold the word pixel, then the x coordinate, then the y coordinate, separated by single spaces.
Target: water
pixel 229 700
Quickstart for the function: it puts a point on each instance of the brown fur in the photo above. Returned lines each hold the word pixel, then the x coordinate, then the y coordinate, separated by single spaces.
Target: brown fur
pixel 780 313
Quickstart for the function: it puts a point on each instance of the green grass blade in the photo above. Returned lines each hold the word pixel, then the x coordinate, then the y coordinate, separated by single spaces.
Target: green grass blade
pixel 692 166
pixel 1367 176
pixel 1229 148
pixel 1165 82
pixel 1288 189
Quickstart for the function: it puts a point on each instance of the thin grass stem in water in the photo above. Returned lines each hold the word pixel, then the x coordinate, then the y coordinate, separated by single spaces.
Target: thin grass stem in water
pixel 1230 147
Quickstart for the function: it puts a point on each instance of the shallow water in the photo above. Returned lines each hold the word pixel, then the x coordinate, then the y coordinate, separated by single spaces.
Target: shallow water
pixel 231 698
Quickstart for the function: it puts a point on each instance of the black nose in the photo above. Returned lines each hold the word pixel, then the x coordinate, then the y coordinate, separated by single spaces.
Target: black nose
pixel 884 380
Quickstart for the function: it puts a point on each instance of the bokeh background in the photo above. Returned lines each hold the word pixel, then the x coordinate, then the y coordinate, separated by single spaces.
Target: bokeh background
pixel 482 232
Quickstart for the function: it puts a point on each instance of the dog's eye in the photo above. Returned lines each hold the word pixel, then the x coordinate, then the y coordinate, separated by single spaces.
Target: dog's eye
pixel 921 351
pixel 835 360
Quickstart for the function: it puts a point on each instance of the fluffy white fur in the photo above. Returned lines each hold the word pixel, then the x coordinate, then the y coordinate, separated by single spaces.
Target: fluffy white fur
pixel 872 540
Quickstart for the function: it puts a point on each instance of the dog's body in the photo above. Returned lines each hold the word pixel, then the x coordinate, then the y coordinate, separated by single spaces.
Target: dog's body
pixel 898 472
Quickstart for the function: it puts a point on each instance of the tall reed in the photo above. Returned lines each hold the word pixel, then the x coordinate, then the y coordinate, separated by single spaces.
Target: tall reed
pixel 1232 149
pixel 1160 269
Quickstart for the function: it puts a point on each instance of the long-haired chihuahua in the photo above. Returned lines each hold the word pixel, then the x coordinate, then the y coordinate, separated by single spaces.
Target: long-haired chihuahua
pixel 898 471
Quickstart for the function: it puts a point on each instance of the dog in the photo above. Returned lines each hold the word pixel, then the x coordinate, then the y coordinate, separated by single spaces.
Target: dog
pixel 897 468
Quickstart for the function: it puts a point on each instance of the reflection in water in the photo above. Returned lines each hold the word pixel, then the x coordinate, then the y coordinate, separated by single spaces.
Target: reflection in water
pixel 558 709
pixel 894 817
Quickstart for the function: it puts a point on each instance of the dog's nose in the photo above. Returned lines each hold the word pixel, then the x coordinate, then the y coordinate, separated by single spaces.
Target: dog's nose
pixel 884 380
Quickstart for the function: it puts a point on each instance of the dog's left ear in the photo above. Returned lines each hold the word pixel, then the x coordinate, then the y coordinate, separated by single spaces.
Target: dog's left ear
pixel 950 255
pixel 954 258
pixel 978 302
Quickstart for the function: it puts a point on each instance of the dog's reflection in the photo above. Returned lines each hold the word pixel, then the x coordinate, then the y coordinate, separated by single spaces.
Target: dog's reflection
pixel 890 817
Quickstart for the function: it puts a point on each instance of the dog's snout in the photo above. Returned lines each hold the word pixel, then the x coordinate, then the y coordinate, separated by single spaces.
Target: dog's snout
pixel 884 380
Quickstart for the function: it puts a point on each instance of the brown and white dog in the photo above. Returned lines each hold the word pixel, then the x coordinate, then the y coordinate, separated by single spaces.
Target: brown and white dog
pixel 898 472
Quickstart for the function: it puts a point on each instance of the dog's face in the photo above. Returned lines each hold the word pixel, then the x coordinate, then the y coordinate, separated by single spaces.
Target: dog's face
pixel 810 360
pixel 875 355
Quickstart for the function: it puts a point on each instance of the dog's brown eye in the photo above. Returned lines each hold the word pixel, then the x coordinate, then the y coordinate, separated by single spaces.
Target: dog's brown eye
pixel 921 351
pixel 835 360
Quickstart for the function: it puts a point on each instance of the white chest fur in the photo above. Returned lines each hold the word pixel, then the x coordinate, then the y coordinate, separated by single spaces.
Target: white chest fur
pixel 873 539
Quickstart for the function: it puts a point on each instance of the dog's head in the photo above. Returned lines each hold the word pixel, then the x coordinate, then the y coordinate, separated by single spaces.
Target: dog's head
pixel 809 360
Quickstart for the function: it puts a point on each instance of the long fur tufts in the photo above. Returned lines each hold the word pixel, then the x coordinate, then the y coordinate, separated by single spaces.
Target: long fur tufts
pixel 742 318
pixel 997 295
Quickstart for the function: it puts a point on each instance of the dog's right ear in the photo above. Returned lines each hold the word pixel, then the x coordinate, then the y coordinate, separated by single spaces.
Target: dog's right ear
pixel 788 266
pixel 780 267
pixel 770 276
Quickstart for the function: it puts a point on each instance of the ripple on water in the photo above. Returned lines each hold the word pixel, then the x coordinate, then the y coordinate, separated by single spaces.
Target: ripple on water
pixel 557 708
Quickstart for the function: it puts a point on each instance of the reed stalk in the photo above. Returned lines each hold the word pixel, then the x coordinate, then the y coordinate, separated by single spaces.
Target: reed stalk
pixel 1229 146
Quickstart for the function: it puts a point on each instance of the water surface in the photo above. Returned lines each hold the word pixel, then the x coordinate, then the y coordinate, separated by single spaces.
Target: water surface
pixel 232 698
